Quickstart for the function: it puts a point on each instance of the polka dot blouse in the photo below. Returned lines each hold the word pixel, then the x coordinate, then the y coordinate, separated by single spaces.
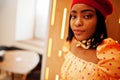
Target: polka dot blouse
pixel 108 67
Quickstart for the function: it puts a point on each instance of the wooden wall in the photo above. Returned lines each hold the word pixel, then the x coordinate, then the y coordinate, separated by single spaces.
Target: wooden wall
pixel 54 61
pixel 113 25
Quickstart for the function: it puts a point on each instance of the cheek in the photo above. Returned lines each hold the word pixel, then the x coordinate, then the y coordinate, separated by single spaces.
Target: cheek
pixel 91 28
pixel 91 31
pixel 71 24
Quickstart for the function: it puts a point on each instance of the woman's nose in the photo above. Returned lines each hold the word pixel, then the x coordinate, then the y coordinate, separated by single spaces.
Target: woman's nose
pixel 78 22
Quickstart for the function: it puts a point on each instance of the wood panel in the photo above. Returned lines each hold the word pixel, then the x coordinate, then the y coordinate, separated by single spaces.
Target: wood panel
pixel 113 25
pixel 54 62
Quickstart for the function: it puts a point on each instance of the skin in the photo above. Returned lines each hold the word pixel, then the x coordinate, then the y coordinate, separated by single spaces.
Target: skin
pixel 83 21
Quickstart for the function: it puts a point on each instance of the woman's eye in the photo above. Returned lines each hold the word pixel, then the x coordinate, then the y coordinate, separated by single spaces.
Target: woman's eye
pixel 73 17
pixel 88 16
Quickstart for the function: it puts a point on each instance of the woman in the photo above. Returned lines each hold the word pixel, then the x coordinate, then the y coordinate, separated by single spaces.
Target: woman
pixel 90 55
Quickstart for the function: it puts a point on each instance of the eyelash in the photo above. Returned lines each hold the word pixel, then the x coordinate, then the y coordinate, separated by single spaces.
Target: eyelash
pixel 88 16
pixel 73 17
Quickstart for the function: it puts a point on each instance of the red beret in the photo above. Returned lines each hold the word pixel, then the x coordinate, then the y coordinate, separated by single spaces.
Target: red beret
pixel 104 6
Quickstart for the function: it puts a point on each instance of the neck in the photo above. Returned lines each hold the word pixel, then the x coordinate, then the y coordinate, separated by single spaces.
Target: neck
pixel 86 44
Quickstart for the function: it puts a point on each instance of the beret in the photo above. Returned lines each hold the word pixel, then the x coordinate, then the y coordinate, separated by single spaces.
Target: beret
pixel 104 6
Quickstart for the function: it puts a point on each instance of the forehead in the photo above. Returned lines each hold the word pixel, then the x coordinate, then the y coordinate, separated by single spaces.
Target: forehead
pixel 82 7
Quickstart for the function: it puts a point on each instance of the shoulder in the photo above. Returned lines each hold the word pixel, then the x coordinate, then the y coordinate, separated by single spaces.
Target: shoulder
pixel 108 53
pixel 108 44
pixel 108 49
pixel 65 48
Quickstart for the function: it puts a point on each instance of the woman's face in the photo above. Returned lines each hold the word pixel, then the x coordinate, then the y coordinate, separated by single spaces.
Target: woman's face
pixel 83 21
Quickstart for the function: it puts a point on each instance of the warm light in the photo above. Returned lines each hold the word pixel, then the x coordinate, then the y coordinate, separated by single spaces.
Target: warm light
pixel 49 47
pixel 60 53
pixel 47 73
pixel 63 23
pixel 119 20
pixel 57 77
pixel 53 13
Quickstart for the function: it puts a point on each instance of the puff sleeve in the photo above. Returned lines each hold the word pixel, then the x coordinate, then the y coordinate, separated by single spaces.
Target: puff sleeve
pixel 108 54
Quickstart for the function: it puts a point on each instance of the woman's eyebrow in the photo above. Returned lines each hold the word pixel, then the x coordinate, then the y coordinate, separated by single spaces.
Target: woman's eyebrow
pixel 73 11
pixel 87 10
pixel 82 11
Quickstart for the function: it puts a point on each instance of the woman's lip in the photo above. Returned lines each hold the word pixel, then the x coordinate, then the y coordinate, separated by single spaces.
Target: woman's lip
pixel 78 32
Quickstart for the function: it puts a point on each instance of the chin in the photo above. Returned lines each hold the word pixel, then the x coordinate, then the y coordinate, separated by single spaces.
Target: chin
pixel 80 38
